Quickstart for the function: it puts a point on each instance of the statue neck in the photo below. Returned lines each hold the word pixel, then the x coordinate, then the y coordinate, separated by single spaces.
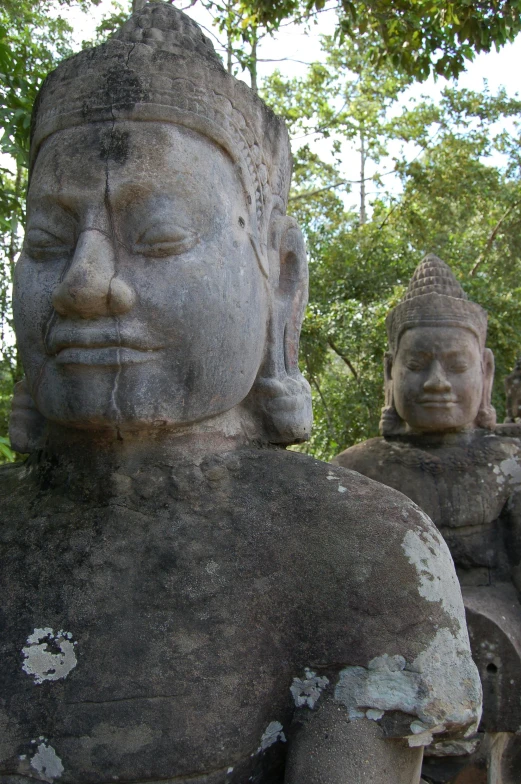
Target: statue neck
pixel 97 453
pixel 442 438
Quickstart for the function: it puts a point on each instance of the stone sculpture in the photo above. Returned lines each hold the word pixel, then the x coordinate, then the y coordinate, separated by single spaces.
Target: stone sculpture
pixel 442 448
pixel 182 599
pixel 513 394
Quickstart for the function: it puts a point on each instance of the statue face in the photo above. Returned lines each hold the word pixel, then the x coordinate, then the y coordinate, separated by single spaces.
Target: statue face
pixel 138 297
pixel 437 377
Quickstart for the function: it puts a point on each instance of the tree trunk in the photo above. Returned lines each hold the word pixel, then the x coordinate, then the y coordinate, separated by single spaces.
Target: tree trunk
pixel 363 214
pixel 15 221
pixel 253 61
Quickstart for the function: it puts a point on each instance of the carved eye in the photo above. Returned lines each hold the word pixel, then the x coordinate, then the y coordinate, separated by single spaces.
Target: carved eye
pixel 414 366
pixel 161 243
pixel 41 245
pixel 457 367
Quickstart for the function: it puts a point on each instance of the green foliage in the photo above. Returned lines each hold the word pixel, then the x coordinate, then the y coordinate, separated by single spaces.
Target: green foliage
pixel 454 202
pixel 6 453
pixel 417 37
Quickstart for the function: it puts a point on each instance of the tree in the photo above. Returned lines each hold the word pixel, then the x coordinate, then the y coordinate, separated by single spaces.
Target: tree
pixel 453 202
pixel 419 37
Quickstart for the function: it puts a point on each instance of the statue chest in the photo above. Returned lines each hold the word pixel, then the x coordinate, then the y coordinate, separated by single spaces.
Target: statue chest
pixel 142 647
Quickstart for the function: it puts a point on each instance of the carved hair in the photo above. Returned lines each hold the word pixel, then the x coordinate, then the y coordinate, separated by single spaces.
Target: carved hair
pixel 160 67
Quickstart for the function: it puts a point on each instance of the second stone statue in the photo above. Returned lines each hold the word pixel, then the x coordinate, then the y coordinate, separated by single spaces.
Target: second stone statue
pixel 442 448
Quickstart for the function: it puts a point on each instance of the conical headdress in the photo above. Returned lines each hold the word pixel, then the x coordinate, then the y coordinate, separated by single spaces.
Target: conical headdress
pixel 160 67
pixel 435 298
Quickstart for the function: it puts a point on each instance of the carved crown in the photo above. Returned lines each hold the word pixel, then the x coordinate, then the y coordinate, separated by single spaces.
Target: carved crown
pixel 160 67
pixel 434 297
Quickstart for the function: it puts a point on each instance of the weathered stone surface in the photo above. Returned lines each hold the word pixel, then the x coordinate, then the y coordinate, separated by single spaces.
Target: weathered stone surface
pixel 467 478
pixel 513 393
pixel 192 609
pixel 183 600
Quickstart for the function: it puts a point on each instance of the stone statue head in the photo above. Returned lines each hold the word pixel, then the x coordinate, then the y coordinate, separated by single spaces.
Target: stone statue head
pixel 438 372
pixel 161 283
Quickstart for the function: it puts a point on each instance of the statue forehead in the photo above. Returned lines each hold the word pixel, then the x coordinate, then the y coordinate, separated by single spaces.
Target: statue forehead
pixel 150 149
pixel 440 338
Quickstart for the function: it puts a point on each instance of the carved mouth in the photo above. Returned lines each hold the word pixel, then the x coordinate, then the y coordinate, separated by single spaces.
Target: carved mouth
pixel 437 402
pixel 101 344
pixel 109 356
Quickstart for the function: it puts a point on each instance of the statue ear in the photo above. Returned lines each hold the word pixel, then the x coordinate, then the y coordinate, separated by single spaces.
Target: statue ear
pixel 391 424
pixel 281 395
pixel 388 378
pixel 27 427
pixel 486 417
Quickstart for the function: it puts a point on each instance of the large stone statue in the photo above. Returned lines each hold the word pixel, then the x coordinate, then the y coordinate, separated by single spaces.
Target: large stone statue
pixel 182 599
pixel 441 447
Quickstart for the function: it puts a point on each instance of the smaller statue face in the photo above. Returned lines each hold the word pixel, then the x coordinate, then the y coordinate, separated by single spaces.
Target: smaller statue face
pixel 139 300
pixel 437 377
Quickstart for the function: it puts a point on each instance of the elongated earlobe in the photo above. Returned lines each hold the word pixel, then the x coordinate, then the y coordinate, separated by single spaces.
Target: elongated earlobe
pixel 27 427
pixel 391 423
pixel 486 417
pixel 281 395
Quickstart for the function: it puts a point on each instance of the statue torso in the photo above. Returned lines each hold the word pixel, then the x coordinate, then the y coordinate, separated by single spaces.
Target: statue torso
pixel 187 598
pixel 463 483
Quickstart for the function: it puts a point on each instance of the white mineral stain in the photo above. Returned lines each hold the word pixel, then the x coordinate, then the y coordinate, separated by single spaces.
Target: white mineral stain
pixel 47 763
pixel 373 714
pixel 511 470
pixel 307 691
pixel 440 686
pixel 429 554
pixel 41 662
pixel 212 567
pixel 271 735
pixel 342 489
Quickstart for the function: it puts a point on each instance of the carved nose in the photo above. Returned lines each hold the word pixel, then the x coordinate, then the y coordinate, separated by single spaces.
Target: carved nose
pixel 437 381
pixel 90 288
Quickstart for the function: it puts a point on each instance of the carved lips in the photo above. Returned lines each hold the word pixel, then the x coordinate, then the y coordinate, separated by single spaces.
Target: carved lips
pixel 438 401
pixel 87 346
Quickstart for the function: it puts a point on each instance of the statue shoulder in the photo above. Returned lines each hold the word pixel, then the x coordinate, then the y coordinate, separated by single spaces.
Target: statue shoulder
pixel 365 457
pixel 10 476
pixel 381 594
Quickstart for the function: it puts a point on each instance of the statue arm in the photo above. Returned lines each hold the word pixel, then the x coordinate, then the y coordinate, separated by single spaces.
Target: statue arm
pixel 326 746
pixel 512 519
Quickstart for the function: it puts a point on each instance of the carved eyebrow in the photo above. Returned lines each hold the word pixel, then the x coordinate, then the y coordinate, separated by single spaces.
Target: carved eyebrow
pixel 51 205
pixel 419 353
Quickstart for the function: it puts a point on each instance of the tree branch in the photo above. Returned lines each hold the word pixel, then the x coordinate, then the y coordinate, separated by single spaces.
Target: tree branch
pixel 343 357
pixel 332 433
pixel 492 237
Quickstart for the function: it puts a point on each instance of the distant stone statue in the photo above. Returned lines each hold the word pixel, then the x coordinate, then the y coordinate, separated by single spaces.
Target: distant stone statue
pixel 513 394
pixel 441 448
pixel 182 599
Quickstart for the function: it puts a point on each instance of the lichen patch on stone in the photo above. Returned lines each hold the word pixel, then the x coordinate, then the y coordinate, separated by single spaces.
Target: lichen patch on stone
pixel 307 690
pixel 44 663
pixel 272 734
pixel 440 687
pixel 47 763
